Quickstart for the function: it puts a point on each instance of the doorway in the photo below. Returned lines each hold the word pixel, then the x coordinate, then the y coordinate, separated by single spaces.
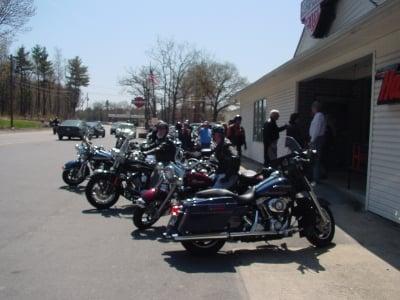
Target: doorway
pixel 345 95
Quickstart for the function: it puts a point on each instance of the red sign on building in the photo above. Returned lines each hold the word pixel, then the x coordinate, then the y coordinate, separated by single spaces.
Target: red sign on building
pixel 317 16
pixel 390 88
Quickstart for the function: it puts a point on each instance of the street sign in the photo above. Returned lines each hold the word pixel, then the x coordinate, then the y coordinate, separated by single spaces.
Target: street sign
pixel 138 102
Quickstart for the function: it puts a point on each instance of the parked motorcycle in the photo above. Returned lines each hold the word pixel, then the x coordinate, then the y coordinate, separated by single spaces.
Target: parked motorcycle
pixel 278 207
pixel 179 182
pixel 89 159
pixel 129 175
pixel 175 183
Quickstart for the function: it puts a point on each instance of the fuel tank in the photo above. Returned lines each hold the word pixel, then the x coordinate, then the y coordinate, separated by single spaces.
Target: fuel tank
pixel 273 186
pixel 197 180
pixel 102 155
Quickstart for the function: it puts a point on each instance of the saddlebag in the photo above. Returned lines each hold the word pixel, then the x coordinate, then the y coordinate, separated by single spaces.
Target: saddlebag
pixel 211 215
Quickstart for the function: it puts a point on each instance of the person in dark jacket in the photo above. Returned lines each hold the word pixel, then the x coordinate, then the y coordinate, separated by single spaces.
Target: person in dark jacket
pixel 271 136
pixel 163 146
pixel 293 129
pixel 186 138
pixel 236 135
pixel 228 161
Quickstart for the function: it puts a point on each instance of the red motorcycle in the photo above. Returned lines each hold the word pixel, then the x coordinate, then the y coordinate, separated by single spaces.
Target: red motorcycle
pixel 177 183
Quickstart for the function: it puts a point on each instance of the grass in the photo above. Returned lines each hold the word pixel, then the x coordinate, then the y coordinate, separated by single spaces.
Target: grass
pixel 19 124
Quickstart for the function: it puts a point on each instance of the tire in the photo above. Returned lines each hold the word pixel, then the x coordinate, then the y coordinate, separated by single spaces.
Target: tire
pixel 101 181
pixel 318 238
pixel 138 214
pixel 60 137
pixel 69 137
pixel 104 135
pixel 209 247
pixel 68 176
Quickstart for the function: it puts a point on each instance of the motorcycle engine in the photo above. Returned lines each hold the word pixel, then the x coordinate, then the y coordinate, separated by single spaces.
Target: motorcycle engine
pixel 278 205
pixel 278 210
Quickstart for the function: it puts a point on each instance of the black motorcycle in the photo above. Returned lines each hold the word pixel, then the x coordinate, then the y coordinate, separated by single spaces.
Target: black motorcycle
pixel 278 207
pixel 128 176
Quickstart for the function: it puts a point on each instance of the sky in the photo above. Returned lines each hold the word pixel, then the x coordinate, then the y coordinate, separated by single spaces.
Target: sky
pixel 111 36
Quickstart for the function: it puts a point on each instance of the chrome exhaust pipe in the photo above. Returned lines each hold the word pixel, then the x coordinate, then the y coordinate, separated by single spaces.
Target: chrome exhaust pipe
pixel 226 235
pixel 198 237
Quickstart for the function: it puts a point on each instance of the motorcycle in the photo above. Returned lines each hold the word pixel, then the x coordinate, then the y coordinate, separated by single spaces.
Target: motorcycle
pixel 89 159
pixel 130 174
pixel 175 182
pixel 179 182
pixel 278 207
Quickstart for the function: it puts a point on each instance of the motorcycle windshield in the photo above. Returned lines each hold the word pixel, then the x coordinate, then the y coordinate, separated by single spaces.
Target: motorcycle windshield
pixel 287 146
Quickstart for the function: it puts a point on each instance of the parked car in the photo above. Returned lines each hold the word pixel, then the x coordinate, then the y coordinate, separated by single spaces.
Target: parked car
pixel 97 129
pixel 114 127
pixel 72 128
pixel 125 129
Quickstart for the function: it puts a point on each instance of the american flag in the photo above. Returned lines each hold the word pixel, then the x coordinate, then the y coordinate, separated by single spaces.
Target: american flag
pixel 152 78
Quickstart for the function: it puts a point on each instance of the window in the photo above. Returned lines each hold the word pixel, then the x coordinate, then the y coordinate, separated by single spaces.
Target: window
pixel 260 114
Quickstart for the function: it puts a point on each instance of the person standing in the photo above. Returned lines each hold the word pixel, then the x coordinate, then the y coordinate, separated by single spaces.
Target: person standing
pixel 271 136
pixel 186 138
pixel 317 137
pixel 237 135
pixel 293 129
pixel 205 136
pixel 228 161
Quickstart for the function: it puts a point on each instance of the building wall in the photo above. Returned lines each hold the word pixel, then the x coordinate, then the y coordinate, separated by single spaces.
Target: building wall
pixel 347 12
pixel 283 99
pixel 384 180
pixel 383 186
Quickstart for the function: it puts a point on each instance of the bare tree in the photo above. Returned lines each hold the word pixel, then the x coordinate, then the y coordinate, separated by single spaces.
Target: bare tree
pixel 172 61
pixel 138 83
pixel 14 14
pixel 216 83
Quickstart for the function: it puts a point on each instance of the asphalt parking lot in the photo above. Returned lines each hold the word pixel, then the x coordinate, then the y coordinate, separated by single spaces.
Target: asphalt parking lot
pixel 54 245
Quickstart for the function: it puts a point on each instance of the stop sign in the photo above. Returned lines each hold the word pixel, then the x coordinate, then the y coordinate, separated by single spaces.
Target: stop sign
pixel 139 102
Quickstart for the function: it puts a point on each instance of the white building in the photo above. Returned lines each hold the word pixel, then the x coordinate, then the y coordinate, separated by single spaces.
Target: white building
pixel 345 50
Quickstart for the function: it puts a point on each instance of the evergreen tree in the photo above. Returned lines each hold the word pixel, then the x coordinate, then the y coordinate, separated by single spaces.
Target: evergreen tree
pixel 23 68
pixel 77 77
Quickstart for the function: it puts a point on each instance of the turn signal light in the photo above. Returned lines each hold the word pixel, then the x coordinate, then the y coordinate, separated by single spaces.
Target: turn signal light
pixel 176 210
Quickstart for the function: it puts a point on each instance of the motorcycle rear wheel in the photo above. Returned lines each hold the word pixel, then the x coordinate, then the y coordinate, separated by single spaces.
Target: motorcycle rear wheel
pixel 209 247
pixel 322 237
pixel 101 193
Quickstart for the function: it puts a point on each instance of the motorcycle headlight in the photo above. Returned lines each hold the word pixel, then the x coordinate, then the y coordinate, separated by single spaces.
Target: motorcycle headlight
pixel 169 173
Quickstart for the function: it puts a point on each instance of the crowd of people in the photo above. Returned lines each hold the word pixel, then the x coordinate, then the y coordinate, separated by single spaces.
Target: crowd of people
pixel 315 139
pixel 227 141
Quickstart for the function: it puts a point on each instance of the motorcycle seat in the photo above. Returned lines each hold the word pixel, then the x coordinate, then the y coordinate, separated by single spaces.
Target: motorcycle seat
pixel 210 193
pixel 242 199
pixel 246 197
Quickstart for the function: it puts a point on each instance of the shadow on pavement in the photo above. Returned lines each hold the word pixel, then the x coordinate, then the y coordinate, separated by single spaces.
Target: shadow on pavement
pixel 116 212
pixel 74 189
pixel 376 234
pixel 153 233
pixel 306 260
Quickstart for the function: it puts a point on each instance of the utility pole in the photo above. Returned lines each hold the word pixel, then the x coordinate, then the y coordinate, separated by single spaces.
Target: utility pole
pixel 11 91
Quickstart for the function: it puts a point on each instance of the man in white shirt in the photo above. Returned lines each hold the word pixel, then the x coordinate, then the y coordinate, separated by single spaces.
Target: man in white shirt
pixel 317 137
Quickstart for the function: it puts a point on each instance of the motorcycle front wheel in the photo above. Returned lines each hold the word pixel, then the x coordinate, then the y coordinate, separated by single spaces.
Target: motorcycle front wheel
pixel 71 177
pixel 144 218
pixel 206 247
pixel 101 192
pixel 322 235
